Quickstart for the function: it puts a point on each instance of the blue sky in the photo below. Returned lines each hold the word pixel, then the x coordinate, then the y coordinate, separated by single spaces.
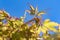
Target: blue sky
pixel 17 8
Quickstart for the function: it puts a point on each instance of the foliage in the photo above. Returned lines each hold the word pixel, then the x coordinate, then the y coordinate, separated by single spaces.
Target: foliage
pixel 16 29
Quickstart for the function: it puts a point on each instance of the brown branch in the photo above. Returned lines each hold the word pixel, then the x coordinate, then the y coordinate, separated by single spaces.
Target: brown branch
pixel 36 19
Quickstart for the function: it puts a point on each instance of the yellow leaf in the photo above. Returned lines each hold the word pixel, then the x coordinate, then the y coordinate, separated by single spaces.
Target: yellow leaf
pixel 46 21
pixel 32 30
pixel 45 36
pixel 5 14
pixel 1 18
pixel 44 29
pixel 4 28
pixel 39 30
pixel 1 38
pixel 32 8
pixel 53 29
pixel 40 13
pixel 1 23
pixel 53 23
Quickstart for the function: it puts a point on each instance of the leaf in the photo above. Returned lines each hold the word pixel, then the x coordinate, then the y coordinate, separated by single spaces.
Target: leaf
pixel 2 18
pixel 4 28
pixel 32 28
pixel 1 38
pixel 32 11
pixel 44 29
pixel 53 29
pixel 39 30
pixel 46 21
pixel 51 24
pixel 1 23
pixel 6 14
pixel 40 13
pixel 32 8
pixel 28 11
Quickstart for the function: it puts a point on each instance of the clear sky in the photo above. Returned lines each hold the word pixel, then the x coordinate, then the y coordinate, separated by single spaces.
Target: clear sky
pixel 17 7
